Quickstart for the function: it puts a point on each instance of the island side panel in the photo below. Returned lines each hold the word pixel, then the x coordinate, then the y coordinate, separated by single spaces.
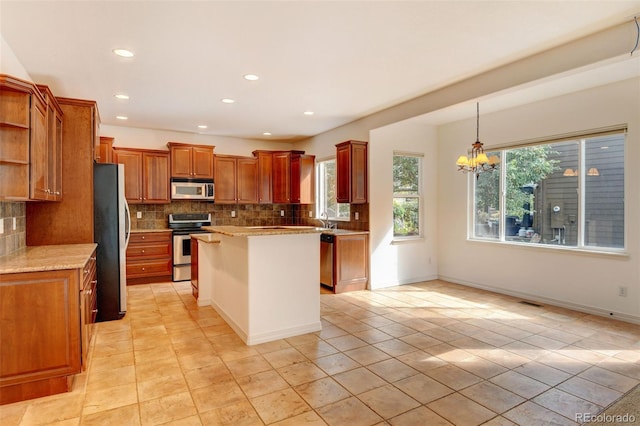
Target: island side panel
pixel 230 283
pixel 284 293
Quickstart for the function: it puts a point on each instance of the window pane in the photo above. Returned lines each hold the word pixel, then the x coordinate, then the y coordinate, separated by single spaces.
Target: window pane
pixel 487 203
pixel 604 192
pixel 327 192
pixel 542 194
pixel 406 216
pixel 406 171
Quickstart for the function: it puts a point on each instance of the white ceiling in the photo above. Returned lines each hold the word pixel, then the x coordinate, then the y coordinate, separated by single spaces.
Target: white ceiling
pixel 342 60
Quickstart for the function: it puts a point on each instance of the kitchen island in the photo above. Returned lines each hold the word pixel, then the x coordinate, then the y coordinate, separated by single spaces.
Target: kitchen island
pixel 262 280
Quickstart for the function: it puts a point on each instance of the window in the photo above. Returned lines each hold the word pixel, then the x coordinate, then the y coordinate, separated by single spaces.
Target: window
pixel 567 193
pixel 407 195
pixel 326 203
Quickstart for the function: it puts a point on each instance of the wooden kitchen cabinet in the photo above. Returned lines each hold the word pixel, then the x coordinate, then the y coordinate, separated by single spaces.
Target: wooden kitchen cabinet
pixel 45 331
pixel 351 175
pixel 344 261
pixel 236 179
pixel 149 257
pixel 69 221
pixel 293 177
pixel 191 161
pixel 30 152
pixel 265 176
pixel 106 150
pixel 146 175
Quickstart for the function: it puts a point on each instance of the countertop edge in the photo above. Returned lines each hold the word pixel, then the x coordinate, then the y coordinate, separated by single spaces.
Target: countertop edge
pixel 47 258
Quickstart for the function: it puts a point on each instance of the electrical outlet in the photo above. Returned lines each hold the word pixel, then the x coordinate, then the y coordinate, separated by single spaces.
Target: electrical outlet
pixel 138 215
pixel 357 216
pixel 15 225
pixel 233 213
pixel 1 225
pixel 622 291
pixel 282 213
pixel 310 214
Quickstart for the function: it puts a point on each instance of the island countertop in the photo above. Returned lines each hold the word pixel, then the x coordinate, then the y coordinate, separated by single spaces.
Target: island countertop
pixel 47 258
pixel 249 231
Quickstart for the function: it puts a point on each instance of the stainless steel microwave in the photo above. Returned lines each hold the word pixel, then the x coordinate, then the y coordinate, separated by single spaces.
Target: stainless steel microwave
pixel 192 189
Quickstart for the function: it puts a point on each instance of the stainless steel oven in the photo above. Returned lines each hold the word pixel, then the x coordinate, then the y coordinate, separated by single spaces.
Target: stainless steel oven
pixel 183 226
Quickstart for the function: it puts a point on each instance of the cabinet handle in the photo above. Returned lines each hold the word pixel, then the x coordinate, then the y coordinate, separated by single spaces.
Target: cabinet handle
pixel 93 258
pixel 143 237
pixel 94 311
pixel 90 291
pixel 141 251
pixel 86 271
pixel 94 281
pixel 143 269
pixel 57 192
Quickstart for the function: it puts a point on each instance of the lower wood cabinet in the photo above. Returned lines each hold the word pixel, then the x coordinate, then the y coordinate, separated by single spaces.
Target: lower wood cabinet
pixel 344 261
pixel 149 257
pixel 46 329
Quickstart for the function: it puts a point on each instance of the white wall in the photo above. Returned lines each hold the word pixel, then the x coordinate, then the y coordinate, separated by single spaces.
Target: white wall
pixel 585 281
pixel 407 261
pixel 130 137
pixel 9 63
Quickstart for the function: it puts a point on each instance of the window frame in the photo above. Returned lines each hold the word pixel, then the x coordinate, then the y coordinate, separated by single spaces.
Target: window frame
pixel 321 191
pixel 580 246
pixel 419 197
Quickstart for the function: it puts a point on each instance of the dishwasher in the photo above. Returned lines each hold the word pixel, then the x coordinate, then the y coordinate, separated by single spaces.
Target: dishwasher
pixel 326 260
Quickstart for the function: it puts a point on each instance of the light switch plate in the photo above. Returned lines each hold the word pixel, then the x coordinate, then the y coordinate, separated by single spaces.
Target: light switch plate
pixel 138 215
pixel 233 213
pixel 357 216
pixel 1 225
pixel 15 225
pixel 282 213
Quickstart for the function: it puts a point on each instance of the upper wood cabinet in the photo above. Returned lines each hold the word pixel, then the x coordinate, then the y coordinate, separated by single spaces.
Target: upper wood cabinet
pixel 146 175
pixel 106 150
pixel 31 136
pixel 293 177
pixel 265 176
pixel 303 182
pixel 236 179
pixel 70 221
pixel 351 176
pixel 191 161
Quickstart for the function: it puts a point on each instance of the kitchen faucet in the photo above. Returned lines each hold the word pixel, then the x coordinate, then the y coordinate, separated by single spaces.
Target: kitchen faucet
pixel 324 216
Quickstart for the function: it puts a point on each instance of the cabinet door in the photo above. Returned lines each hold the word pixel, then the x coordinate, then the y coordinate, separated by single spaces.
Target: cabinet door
pixel 202 162
pixel 55 155
pixel 106 150
pixel 358 173
pixel 155 174
pixel 132 161
pixel 225 179
pixel 343 173
pixel 39 155
pixel 282 177
pixel 247 182
pixel 303 179
pixel 181 161
pixel 265 177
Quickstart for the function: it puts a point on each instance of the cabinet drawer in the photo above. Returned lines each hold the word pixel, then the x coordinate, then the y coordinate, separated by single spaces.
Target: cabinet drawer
pixel 89 272
pixel 149 237
pixel 149 268
pixel 149 251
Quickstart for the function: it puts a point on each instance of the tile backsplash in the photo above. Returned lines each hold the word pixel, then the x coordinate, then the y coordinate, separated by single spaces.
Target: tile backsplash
pixel 155 216
pixel 12 240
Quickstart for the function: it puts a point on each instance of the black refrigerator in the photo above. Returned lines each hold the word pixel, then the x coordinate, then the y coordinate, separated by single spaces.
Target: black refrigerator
pixel 111 231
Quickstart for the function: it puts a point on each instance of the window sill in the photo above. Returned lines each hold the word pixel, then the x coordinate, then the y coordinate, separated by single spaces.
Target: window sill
pixel 407 240
pixel 573 250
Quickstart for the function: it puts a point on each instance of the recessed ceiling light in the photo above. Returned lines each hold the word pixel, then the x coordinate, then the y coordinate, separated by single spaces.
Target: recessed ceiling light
pixel 228 100
pixel 308 113
pixel 267 133
pixel 202 126
pixel 251 77
pixel 122 117
pixel 122 96
pixel 123 52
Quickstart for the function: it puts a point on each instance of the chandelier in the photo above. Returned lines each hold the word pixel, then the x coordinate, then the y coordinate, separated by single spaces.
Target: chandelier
pixel 477 162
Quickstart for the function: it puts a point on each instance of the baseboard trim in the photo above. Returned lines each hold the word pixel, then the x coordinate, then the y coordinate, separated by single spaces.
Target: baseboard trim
pixel 546 300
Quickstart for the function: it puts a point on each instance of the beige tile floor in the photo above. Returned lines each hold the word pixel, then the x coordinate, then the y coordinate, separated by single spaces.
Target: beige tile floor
pixel 428 354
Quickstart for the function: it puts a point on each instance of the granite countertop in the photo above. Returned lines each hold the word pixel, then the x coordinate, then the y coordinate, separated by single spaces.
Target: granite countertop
pixel 245 231
pixel 47 258
pixel 207 238
pixel 137 231
pixel 249 231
